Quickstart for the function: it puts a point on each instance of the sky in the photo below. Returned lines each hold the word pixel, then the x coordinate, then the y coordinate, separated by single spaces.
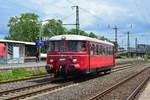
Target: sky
pixel 98 16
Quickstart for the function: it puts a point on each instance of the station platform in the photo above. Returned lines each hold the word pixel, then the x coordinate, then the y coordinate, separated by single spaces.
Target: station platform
pixel 145 95
pixel 27 64
pixel 7 68
pixel 41 63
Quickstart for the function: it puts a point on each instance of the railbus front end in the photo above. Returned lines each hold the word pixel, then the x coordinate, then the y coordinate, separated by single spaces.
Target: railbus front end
pixel 67 57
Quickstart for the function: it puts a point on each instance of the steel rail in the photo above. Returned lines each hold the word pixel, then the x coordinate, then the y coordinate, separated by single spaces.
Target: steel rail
pixel 41 91
pixel 95 97
pixel 23 88
pixel 137 90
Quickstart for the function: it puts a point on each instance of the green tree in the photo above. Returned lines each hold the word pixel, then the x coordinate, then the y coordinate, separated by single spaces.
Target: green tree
pixel 92 35
pixel 24 28
pixel 102 38
pixel 53 27
pixel 73 31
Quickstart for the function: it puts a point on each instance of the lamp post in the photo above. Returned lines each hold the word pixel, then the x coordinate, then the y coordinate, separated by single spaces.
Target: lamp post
pixel 40 37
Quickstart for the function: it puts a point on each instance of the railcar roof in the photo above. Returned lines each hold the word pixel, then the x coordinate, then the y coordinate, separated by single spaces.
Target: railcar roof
pixel 78 37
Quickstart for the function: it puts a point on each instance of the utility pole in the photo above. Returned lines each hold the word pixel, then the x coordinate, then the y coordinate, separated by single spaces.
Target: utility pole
pixel 136 43
pixel 128 44
pixel 116 30
pixel 77 19
pixel 128 40
pixel 116 40
pixel 136 46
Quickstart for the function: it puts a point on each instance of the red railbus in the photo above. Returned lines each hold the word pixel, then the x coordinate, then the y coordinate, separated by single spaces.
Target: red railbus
pixel 73 54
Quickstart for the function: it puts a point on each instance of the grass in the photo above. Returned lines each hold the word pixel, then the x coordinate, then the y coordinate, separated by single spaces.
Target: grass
pixel 123 57
pixel 126 57
pixel 19 73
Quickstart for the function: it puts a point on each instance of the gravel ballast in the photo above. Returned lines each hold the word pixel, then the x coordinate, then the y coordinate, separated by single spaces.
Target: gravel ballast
pixel 85 89
pixel 19 84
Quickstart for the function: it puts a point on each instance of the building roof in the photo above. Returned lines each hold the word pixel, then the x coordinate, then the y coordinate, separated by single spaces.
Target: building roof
pixel 78 37
pixel 20 42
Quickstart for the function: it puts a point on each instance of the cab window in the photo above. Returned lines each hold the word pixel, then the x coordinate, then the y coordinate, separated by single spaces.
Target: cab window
pixel 76 46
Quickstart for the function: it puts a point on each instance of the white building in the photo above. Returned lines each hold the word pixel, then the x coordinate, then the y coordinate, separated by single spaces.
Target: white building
pixel 15 51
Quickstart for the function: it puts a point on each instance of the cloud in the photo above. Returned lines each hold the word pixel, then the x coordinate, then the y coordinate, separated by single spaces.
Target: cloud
pixel 104 11
pixel 95 15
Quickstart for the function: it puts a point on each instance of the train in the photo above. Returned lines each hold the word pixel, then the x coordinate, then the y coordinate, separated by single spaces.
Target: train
pixel 69 55
pixel 3 51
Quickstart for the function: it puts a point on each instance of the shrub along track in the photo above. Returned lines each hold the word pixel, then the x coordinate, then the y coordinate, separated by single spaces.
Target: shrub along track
pixel 125 89
pixel 30 78
pixel 44 87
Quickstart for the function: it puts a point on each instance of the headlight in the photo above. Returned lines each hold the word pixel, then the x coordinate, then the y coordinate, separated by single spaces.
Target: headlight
pixel 51 60
pixel 74 60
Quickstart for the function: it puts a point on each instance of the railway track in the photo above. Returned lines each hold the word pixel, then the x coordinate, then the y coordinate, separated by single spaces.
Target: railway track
pixel 28 91
pixel 113 91
pixel 50 75
pixel 137 89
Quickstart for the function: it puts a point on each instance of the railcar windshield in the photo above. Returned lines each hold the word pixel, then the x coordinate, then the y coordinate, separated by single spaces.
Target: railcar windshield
pixel 67 46
pixel 76 46
pixel 57 46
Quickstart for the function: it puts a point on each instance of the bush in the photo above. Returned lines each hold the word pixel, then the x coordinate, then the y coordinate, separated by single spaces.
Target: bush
pixel 19 73
pixel 123 57
pixel 148 57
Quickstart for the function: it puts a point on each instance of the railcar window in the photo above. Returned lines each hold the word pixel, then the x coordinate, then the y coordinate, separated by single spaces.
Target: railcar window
pixel 103 50
pixel 100 50
pixel 83 47
pixel 73 46
pixel 62 46
pixel 76 46
pixel 57 46
pixel 51 46
pixel 107 53
pixel 91 49
pixel 97 50
pixel 94 47
pixel 111 49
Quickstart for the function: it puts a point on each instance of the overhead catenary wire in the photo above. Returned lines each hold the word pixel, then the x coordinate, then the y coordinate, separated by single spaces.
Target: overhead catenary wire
pixel 139 10
pixel 99 18
pixel 85 10
pixel 68 16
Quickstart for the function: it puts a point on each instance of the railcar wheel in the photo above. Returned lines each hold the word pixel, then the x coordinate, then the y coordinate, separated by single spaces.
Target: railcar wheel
pixel 98 72
pixel 56 75
pixel 107 71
